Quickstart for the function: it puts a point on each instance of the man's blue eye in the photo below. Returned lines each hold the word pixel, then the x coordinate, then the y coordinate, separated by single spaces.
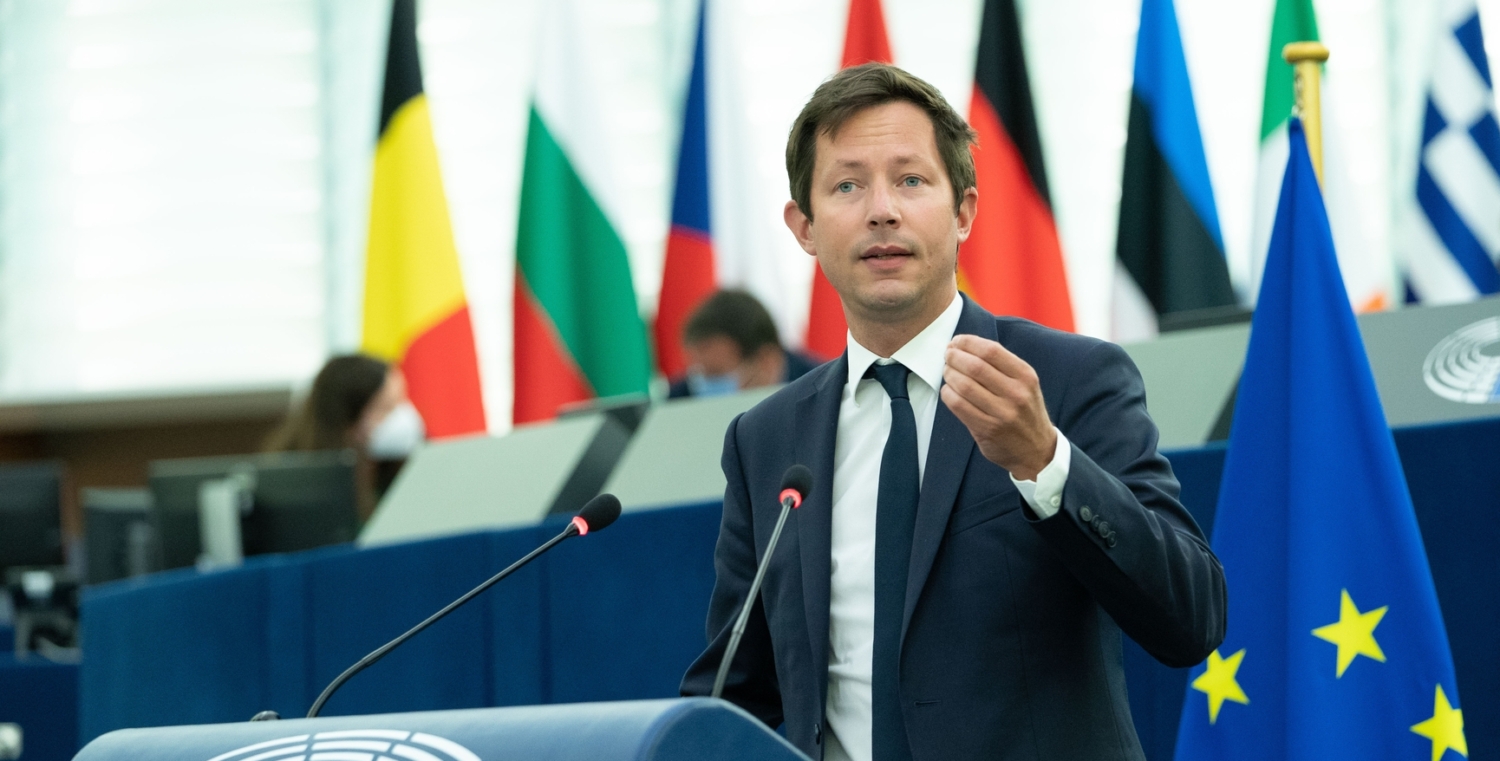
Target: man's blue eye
pixel 846 187
pixel 912 182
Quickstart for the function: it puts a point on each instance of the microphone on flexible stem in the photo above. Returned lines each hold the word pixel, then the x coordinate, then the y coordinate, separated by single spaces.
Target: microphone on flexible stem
pixel 795 484
pixel 595 516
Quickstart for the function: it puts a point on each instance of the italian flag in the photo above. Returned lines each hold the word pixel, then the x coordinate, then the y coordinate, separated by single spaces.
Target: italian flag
pixel 415 312
pixel 1367 272
pixel 578 332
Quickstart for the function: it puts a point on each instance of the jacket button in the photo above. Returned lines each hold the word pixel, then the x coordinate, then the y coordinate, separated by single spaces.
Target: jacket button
pixel 1111 540
pixel 1102 527
pixel 1086 514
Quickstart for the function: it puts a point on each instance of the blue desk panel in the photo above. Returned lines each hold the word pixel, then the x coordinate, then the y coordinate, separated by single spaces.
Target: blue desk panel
pixel 619 614
pixel 42 697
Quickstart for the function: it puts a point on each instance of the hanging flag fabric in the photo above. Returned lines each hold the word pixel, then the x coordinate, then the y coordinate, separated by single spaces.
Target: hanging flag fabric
pixel 865 41
pixel 1336 647
pixel 415 311
pixel 578 333
pixel 1012 263
pixel 1368 272
pixel 1452 245
pixel 688 270
pixel 1170 248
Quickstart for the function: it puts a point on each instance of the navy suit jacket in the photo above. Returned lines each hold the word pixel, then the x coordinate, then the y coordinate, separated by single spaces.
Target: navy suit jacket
pixel 1011 635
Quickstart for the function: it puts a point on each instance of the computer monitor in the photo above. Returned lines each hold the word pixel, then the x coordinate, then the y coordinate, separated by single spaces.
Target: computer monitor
pixel 298 501
pixel 118 535
pixel 31 515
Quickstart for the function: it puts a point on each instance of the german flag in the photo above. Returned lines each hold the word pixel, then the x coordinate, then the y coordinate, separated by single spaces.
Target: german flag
pixel 1012 262
pixel 415 313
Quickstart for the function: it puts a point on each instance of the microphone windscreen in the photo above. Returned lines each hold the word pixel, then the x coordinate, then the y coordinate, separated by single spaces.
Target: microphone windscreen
pixel 600 511
pixel 798 478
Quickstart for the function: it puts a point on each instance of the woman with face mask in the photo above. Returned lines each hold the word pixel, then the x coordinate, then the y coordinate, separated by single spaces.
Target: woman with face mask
pixel 357 402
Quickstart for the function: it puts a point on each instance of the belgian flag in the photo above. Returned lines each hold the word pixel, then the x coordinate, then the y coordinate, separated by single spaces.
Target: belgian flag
pixel 415 311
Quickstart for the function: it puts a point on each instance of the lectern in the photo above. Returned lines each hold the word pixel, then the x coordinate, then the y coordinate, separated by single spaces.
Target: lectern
pixel 690 729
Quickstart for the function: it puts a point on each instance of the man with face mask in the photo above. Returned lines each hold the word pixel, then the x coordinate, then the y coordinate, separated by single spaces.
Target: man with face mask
pixel 732 345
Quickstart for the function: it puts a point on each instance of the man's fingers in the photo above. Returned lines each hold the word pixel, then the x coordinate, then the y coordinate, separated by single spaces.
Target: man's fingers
pixel 994 354
pixel 971 416
pixel 978 369
pixel 994 407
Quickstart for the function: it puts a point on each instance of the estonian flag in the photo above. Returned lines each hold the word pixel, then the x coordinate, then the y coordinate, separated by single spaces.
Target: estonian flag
pixel 1171 253
pixel 1336 646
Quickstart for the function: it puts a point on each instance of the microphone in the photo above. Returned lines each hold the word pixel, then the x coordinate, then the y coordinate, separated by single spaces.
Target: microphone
pixel 795 484
pixel 595 516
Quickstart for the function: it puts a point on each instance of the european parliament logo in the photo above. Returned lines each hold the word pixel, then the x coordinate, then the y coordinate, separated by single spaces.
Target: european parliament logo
pixel 354 745
pixel 1465 366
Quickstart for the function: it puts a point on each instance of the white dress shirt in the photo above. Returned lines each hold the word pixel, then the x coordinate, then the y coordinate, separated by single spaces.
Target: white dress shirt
pixel 864 424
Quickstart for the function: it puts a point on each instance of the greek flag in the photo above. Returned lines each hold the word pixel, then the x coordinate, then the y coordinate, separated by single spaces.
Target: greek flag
pixel 1453 241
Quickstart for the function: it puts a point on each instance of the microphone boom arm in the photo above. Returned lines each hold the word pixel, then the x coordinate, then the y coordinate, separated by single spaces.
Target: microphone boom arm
pixel 787 503
pixel 571 531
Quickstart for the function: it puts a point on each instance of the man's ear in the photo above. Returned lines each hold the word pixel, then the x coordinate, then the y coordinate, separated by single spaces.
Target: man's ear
pixel 800 225
pixel 967 208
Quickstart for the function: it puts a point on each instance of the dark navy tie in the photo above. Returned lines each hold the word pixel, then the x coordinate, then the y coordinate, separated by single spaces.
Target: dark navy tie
pixel 895 515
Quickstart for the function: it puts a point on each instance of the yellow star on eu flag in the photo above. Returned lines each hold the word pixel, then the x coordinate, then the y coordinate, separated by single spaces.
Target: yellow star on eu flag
pixel 1354 632
pixel 1219 684
pixel 1445 729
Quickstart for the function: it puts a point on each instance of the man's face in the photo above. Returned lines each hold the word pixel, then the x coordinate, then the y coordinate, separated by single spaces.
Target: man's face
pixel 715 355
pixel 884 228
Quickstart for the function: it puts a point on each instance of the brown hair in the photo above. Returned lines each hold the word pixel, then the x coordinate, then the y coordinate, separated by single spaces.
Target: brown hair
pixel 874 84
pixel 340 393
pixel 737 316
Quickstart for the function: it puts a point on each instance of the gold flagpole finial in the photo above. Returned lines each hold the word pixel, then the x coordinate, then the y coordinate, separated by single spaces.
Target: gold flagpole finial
pixel 1307 59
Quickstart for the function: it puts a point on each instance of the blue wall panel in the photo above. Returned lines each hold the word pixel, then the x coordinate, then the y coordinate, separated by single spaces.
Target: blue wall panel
pixel 620 614
pixel 628 606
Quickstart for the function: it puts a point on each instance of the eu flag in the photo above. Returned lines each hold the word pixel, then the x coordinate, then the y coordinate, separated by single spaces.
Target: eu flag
pixel 1335 647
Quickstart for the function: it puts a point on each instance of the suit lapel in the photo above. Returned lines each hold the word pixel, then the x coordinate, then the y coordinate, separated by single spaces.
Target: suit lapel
pixel 947 458
pixel 819 411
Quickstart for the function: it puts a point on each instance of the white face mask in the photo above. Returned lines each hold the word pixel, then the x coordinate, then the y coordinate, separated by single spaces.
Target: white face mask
pixel 398 435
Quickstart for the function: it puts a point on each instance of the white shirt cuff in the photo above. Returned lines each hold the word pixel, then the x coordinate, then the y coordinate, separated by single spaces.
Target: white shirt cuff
pixel 1045 493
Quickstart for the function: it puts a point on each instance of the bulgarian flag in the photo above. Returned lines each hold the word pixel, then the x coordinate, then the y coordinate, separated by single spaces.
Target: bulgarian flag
pixel 1012 262
pixel 1368 274
pixel 688 271
pixel 578 334
pixel 415 311
pixel 865 41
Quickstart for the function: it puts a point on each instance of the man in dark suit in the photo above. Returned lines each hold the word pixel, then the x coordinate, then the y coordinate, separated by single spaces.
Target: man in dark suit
pixel 989 510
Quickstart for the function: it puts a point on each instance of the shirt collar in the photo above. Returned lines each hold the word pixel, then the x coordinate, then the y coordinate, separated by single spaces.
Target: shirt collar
pixel 923 354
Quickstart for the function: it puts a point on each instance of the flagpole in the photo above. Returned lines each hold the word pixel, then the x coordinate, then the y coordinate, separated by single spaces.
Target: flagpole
pixel 1307 60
